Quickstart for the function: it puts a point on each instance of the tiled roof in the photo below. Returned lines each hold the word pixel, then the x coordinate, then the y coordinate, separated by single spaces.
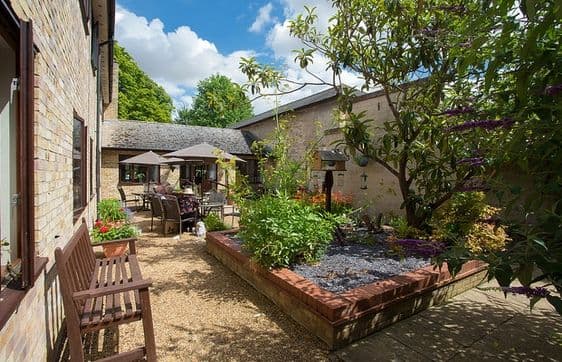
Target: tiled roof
pixel 136 135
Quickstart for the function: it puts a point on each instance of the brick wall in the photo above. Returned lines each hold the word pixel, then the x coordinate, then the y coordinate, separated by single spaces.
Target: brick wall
pixel 64 85
pixel 306 124
pixel 110 174
pixel 110 109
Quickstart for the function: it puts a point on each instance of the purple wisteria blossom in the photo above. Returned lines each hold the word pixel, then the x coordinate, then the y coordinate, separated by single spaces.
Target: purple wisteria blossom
pixel 553 90
pixel 487 124
pixel 457 111
pixel 423 248
pixel 472 161
pixel 528 291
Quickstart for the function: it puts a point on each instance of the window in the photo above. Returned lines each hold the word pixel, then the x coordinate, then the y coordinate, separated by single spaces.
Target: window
pixel 17 246
pixel 92 163
pixel 78 166
pixel 95 47
pixel 137 174
pixel 86 9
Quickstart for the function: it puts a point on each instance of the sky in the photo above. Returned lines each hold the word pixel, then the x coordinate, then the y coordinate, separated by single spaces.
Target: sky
pixel 180 42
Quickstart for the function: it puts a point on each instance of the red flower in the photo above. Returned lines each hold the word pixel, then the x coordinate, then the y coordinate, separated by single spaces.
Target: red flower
pixel 104 229
pixel 98 223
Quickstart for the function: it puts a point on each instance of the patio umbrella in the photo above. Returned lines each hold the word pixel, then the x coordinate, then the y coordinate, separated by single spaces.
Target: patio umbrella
pixel 146 159
pixel 203 151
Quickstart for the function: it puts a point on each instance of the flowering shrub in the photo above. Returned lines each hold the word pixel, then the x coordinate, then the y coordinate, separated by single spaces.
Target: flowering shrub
pixel 467 220
pixel 341 203
pixel 108 230
pixel 112 223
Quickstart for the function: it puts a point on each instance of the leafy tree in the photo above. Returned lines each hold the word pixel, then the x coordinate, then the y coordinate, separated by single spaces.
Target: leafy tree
pixel 140 98
pixel 389 43
pixel 219 103
pixel 487 97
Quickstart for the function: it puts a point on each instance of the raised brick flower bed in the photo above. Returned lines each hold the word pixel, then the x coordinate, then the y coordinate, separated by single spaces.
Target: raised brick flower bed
pixel 339 319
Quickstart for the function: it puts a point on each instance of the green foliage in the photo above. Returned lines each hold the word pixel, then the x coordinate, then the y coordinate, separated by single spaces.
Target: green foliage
pixel 219 103
pixel 279 231
pixel 403 230
pixel 283 174
pixel 214 223
pixel 140 98
pixel 467 220
pixel 111 210
pixel 108 231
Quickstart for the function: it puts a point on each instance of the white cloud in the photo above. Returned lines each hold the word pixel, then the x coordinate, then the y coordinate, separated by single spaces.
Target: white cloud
pixel 177 60
pixel 263 19
pixel 282 45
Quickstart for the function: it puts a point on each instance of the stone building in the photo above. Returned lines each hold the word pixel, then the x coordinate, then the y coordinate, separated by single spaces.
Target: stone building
pixel 311 119
pixel 123 139
pixel 55 74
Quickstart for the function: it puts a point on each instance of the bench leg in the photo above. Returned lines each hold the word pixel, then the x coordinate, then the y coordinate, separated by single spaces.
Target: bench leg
pixel 75 345
pixel 147 325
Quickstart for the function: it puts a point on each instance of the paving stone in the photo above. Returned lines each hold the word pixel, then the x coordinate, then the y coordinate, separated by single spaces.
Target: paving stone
pixel 467 321
pixel 424 336
pixel 378 347
pixel 511 345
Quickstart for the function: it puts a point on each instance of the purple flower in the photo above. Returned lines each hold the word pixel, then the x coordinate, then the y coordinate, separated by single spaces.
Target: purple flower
pixel 457 111
pixel 472 161
pixel 487 124
pixel 528 291
pixel 422 248
pixel 553 90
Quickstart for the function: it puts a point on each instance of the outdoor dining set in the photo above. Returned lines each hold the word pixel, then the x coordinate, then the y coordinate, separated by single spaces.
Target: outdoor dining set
pixel 177 205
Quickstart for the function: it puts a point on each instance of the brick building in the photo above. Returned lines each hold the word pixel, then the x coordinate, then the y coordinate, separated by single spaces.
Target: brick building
pixel 311 118
pixel 55 74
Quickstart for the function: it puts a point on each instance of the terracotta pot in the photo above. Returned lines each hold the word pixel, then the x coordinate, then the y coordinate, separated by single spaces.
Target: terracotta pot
pixel 116 249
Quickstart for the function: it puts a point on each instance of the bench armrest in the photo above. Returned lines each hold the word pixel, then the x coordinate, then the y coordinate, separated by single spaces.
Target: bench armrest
pixel 131 241
pixel 113 289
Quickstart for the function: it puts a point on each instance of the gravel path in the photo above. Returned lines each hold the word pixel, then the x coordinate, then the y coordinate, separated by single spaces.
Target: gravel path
pixel 204 312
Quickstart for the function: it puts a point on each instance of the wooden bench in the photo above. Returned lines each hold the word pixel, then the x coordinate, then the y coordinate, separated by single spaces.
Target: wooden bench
pixel 100 293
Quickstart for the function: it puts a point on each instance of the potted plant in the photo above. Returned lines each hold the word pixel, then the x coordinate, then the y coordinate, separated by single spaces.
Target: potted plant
pixel 113 231
pixel 112 225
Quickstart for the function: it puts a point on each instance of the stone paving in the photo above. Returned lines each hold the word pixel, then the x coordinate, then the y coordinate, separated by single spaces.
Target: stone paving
pixel 477 325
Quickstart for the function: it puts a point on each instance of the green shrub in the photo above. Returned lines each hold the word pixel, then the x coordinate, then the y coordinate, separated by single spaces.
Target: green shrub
pixel 279 231
pixel 111 210
pixel 214 223
pixel 466 220
pixel 403 230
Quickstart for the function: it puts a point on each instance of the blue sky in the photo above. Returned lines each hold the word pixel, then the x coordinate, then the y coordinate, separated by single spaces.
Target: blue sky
pixel 180 42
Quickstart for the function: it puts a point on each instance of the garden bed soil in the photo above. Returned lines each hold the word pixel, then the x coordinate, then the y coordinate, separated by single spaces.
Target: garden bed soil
pixel 340 305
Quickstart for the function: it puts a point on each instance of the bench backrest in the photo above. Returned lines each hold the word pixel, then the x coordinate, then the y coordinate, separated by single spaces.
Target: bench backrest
pixel 75 266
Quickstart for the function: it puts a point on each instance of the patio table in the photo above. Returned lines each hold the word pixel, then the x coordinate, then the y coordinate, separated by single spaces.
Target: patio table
pixel 146 197
pixel 207 208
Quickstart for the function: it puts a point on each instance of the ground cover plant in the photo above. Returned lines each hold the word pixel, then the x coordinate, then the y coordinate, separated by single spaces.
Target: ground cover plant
pixel 474 89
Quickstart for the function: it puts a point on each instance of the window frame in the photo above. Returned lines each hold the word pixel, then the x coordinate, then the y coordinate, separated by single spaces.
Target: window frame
pixel 121 166
pixel 19 35
pixel 86 11
pixel 76 212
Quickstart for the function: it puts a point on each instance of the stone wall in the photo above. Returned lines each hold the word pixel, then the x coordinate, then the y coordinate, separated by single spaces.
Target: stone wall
pixel 64 85
pixel 310 123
